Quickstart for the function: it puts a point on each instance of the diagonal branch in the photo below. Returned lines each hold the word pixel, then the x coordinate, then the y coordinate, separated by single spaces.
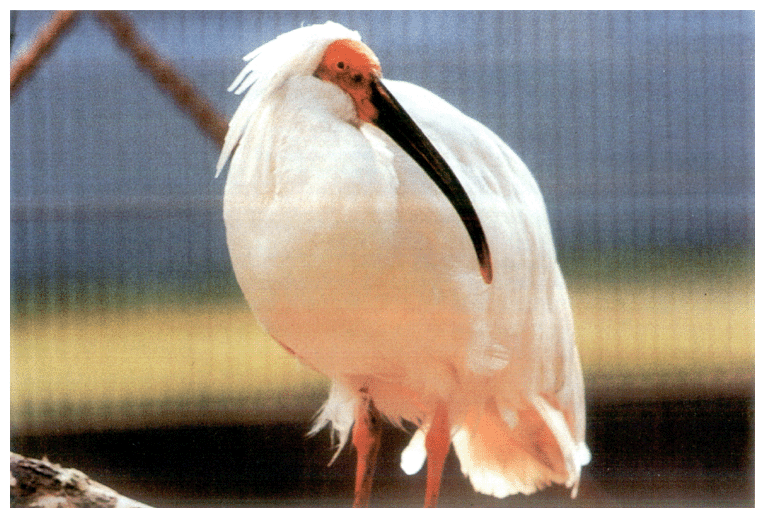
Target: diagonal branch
pixel 47 38
pixel 171 81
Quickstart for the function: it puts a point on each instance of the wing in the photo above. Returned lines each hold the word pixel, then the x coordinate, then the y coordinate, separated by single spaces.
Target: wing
pixel 529 430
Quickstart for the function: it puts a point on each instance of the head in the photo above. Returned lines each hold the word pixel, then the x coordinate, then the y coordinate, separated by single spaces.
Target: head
pixel 352 66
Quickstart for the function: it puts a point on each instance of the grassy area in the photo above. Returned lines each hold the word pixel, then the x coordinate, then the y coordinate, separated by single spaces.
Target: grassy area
pixel 693 339
pixel 657 327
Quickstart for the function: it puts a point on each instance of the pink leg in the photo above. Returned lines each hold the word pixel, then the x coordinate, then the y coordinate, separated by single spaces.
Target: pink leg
pixel 366 438
pixel 437 444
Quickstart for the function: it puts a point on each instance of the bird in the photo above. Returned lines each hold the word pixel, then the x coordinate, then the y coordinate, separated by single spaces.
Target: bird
pixel 403 250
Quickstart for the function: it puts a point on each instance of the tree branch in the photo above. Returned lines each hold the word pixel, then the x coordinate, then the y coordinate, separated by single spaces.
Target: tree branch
pixel 178 87
pixel 40 483
pixel 46 39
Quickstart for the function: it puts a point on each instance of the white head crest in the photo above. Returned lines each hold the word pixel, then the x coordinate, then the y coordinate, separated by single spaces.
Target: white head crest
pixel 297 52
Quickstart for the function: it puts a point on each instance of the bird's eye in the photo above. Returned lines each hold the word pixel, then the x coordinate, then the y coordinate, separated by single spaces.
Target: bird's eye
pixel 340 65
pixel 357 78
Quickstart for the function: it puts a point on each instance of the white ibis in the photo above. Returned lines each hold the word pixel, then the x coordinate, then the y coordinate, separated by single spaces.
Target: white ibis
pixel 402 249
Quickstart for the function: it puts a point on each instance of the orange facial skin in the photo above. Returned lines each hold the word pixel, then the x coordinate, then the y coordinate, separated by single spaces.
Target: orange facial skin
pixel 352 66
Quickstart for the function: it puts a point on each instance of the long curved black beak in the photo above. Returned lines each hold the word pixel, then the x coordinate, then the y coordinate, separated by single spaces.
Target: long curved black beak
pixel 393 120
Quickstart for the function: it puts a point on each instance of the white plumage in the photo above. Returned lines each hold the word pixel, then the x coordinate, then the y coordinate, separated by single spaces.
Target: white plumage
pixel 352 258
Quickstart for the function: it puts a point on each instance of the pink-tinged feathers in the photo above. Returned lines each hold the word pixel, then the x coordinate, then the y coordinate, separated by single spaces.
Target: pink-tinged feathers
pixel 504 451
pixel 352 257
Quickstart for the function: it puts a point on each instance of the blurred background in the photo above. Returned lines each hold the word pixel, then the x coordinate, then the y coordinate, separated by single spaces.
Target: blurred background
pixel 134 357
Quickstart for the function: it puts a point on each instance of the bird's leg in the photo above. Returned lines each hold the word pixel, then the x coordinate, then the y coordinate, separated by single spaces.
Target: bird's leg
pixel 366 438
pixel 437 443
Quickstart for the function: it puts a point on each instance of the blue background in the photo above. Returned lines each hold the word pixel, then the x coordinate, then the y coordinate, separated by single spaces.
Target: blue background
pixel 639 127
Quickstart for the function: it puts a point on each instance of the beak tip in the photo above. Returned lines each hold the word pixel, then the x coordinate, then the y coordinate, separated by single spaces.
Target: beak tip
pixel 486 273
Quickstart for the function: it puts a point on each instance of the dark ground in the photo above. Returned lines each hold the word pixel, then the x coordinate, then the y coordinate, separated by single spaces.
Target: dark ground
pixel 689 453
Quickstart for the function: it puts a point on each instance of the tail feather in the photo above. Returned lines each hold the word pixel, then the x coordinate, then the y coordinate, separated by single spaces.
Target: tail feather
pixel 575 454
pixel 505 453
